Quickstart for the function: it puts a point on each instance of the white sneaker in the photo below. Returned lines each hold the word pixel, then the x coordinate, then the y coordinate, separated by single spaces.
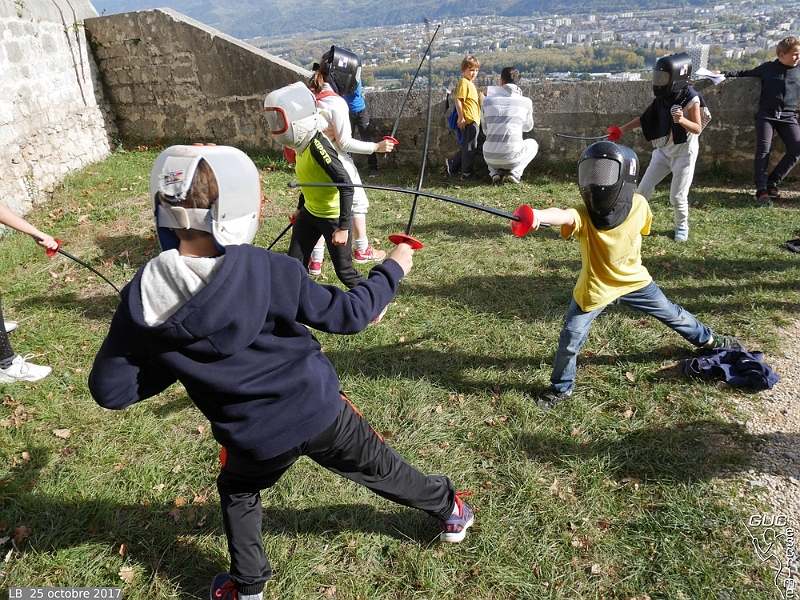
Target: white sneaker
pixel 22 370
pixel 10 326
pixel 379 318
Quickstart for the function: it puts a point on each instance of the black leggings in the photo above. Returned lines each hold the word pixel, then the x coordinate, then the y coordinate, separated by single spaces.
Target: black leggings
pixel 350 448
pixel 305 233
pixel 6 351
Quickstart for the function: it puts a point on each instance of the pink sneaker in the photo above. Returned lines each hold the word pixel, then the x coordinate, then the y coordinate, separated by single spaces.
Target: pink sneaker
pixel 314 267
pixel 367 255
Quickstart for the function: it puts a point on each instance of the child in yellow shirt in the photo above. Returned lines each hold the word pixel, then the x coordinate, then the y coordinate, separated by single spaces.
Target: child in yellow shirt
pixel 468 105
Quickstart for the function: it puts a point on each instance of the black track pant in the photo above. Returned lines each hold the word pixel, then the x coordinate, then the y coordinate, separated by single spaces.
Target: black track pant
pixel 349 447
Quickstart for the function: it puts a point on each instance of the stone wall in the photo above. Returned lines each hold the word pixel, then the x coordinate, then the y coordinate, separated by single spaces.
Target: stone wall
pixel 169 76
pixel 585 109
pixel 53 118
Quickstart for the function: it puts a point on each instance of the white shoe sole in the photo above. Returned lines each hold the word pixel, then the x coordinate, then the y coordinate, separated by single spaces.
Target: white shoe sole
pixel 454 538
pixel 27 377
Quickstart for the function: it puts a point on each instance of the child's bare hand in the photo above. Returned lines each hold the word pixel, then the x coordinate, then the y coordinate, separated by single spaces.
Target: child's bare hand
pixel 340 237
pixel 402 255
pixel 384 146
pixel 536 222
pixel 46 241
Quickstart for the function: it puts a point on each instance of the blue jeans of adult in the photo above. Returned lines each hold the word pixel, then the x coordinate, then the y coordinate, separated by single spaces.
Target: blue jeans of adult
pixel 649 300
pixel 785 124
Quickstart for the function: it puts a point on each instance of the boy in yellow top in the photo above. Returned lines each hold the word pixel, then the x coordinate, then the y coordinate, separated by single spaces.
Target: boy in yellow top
pixel 609 227
pixel 468 105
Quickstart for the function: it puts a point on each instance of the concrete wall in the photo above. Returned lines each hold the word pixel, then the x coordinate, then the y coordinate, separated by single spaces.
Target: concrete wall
pixel 169 76
pixel 53 118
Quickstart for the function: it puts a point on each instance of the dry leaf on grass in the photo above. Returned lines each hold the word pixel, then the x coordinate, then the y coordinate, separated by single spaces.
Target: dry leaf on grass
pixel 20 533
pixel 632 481
pixel 64 434
pixel 126 574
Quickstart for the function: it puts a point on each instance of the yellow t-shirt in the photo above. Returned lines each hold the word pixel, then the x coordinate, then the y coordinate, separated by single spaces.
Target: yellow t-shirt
pixel 612 259
pixel 468 94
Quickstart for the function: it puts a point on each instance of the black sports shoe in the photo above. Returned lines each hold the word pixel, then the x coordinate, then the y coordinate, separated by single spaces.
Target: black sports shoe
pixel 550 397
pixel 772 192
pixel 724 341
pixel 763 198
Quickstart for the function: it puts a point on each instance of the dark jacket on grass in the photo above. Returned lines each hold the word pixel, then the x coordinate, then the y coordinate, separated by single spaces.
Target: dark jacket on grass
pixel 241 349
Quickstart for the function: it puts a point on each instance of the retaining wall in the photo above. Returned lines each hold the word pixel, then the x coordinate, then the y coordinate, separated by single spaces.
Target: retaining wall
pixel 168 76
pixel 53 116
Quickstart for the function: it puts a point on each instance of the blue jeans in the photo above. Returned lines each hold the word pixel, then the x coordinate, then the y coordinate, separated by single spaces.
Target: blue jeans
pixel 649 300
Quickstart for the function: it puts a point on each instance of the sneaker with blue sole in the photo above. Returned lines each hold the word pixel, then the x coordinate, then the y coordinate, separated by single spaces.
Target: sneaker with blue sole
pixel 454 528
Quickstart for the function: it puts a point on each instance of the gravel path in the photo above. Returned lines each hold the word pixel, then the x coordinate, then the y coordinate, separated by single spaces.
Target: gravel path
pixel 774 416
pixel 774 475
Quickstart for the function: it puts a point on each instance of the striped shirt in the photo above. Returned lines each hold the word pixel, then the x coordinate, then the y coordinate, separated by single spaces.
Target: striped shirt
pixel 505 116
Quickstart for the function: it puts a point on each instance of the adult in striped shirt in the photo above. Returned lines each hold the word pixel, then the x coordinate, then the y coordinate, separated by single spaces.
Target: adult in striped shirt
pixel 505 115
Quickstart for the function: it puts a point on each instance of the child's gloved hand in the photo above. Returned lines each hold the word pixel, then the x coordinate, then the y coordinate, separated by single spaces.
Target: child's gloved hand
pixel 613 133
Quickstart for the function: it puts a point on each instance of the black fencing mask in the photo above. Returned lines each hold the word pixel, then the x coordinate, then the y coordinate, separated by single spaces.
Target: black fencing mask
pixel 607 175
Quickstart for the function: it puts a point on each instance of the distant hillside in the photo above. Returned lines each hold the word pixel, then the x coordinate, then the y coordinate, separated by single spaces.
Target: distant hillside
pixel 251 18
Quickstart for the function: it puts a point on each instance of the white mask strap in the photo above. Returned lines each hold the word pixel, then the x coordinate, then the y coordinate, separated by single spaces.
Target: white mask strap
pixel 177 217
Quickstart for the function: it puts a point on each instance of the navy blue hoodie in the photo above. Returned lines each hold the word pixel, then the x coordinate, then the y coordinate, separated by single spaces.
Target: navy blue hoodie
pixel 241 350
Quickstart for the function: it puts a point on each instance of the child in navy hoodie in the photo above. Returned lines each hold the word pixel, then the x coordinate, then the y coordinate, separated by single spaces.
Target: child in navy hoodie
pixel 230 322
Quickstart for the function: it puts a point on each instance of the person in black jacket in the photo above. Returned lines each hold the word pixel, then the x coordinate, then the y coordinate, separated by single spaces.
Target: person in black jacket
pixel 777 112
pixel 230 322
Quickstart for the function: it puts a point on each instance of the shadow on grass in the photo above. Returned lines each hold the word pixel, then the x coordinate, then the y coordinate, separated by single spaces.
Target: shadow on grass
pixel 547 297
pixel 683 453
pixel 453 370
pixel 172 550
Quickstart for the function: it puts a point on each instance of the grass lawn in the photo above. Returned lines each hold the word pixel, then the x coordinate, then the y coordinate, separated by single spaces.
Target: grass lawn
pixel 633 489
